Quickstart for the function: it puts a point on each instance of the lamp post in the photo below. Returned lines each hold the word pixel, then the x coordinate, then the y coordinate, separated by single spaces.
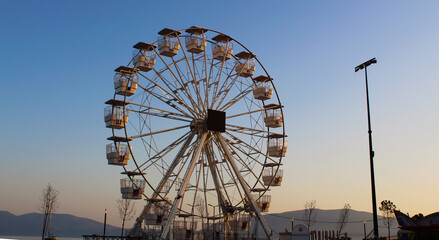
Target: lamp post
pixel 364 229
pixel 105 223
pixel 371 152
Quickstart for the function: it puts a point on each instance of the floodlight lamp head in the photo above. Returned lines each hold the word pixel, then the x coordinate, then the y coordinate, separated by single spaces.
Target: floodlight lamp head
pixel 365 64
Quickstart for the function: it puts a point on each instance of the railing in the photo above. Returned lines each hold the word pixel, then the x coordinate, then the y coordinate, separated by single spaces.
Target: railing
pixel 98 237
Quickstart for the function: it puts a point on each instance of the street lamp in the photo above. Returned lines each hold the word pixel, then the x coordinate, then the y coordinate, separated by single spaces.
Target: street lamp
pixel 105 223
pixel 371 152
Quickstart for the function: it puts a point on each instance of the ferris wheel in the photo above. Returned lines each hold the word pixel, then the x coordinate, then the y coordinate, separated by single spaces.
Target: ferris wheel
pixel 198 127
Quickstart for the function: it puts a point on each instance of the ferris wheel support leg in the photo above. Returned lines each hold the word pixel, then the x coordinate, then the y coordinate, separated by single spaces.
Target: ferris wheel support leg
pixel 216 181
pixel 162 183
pixel 212 167
pixel 180 194
pixel 261 218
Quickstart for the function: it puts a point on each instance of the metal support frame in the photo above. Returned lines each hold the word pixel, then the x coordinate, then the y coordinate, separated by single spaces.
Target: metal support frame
pixel 241 180
pixel 212 167
pixel 162 183
pixel 180 194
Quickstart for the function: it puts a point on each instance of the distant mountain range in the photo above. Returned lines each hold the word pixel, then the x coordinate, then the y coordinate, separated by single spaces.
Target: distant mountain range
pixel 327 220
pixel 64 225
pixel 67 225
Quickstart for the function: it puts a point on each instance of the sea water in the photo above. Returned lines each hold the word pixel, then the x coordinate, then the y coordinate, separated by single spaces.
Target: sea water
pixel 34 238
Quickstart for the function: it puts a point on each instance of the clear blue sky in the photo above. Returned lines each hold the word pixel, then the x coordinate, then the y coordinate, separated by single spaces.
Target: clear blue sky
pixel 57 60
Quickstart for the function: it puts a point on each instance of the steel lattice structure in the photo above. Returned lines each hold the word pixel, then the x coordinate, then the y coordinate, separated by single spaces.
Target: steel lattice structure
pixel 202 130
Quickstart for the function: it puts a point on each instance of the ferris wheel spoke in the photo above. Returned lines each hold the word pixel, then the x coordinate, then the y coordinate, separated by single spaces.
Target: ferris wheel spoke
pixel 198 177
pixel 247 130
pixel 251 147
pixel 192 74
pixel 246 167
pixel 230 174
pixel 160 154
pixel 237 98
pixel 219 91
pixel 241 196
pixel 207 187
pixel 243 184
pixel 175 78
pixel 249 112
pixel 165 178
pixel 216 181
pixel 218 166
pixel 161 113
pixel 243 93
pixel 170 103
pixel 177 160
pixel 157 132
pixel 205 180
pixel 163 99
pixel 225 91
pixel 207 77
pixel 216 79
pixel 176 94
pixel 202 81
pixel 201 60
pixel 145 108
pixel 238 146
pixel 186 90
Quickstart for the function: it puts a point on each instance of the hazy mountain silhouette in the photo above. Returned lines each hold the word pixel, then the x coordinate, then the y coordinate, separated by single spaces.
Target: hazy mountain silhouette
pixel 327 220
pixel 64 225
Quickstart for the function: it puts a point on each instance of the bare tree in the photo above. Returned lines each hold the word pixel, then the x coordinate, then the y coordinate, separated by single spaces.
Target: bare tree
pixel 48 205
pixel 126 211
pixel 201 208
pixel 199 204
pixel 310 215
pixel 343 218
pixel 387 208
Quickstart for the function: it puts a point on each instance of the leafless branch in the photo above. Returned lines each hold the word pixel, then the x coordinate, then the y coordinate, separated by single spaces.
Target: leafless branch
pixel 126 211
pixel 343 218
pixel 48 205
pixel 310 214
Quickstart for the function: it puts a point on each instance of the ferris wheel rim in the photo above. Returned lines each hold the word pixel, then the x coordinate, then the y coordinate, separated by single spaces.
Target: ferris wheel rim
pixel 263 103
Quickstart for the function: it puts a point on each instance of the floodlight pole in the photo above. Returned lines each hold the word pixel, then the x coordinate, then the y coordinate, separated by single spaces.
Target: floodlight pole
pixel 371 152
pixel 105 223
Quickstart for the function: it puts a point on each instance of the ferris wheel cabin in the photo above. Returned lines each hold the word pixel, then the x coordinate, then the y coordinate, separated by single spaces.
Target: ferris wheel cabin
pixel 263 89
pixel 115 117
pixel 245 64
pixel 240 222
pixel 183 229
pixel 222 50
pixel 277 146
pixel 125 80
pixel 273 116
pixel 196 42
pixel 132 189
pixel 153 219
pixel 144 56
pixel 263 202
pixel 118 154
pixel 270 176
pixel 168 44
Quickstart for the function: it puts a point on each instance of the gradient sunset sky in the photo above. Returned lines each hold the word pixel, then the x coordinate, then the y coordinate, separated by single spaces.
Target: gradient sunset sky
pixel 57 60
